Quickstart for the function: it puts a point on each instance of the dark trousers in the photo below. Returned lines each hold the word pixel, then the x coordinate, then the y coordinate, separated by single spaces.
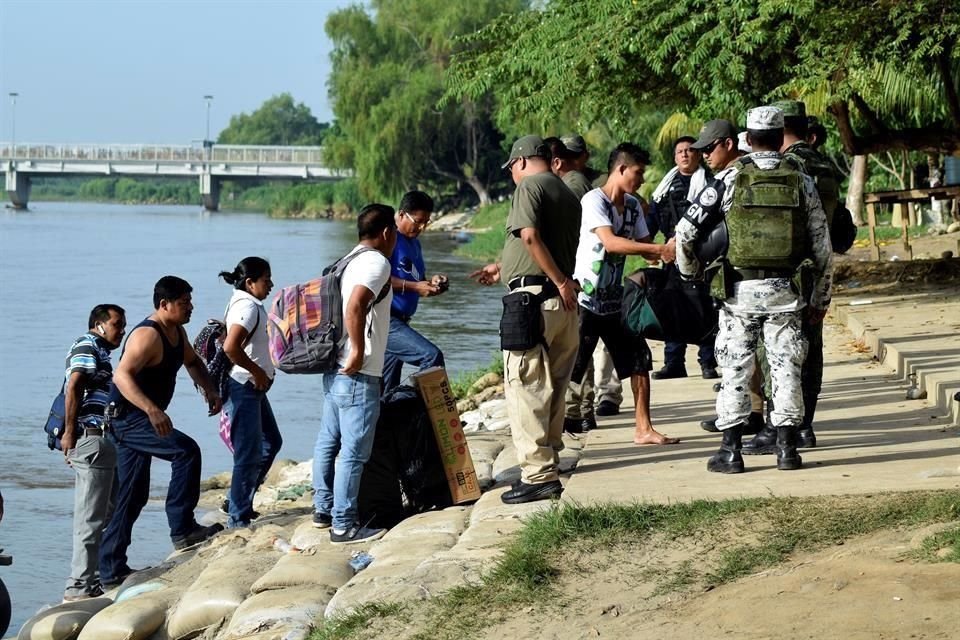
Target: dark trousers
pixel 137 444
pixel 406 345
pixel 256 441
pixel 811 376
pixel 674 354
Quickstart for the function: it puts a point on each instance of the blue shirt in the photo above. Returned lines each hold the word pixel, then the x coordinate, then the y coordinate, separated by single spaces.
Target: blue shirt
pixel 407 263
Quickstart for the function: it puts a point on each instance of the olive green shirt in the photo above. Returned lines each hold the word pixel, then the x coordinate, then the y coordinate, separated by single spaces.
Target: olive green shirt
pixel 544 203
pixel 578 183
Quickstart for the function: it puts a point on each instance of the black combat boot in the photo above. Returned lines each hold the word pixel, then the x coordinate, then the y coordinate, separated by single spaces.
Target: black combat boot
pixel 806 438
pixel 787 457
pixel 763 443
pixel 728 458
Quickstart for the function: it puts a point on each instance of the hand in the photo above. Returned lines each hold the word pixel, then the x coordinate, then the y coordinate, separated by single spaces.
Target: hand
pixel 353 364
pixel 441 282
pixel 815 316
pixel 568 294
pixel 487 275
pixel 426 289
pixel 67 442
pixel 161 421
pixel 214 403
pixel 669 251
pixel 260 380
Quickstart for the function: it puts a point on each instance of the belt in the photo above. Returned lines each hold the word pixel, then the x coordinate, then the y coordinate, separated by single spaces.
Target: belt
pixel 763 274
pixel 94 431
pixel 400 316
pixel 549 289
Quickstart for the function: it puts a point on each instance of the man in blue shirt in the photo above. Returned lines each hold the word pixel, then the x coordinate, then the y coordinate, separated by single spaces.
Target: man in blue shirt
pixel 409 281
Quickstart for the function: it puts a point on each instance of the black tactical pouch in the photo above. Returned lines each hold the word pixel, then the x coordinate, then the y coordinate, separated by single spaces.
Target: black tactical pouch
pixel 721 276
pixel 521 326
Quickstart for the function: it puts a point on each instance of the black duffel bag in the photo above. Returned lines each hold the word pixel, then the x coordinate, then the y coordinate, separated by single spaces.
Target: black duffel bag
pixel 404 475
pixel 660 305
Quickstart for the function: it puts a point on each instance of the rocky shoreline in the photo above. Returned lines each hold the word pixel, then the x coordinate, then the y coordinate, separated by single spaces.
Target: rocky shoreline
pixel 279 578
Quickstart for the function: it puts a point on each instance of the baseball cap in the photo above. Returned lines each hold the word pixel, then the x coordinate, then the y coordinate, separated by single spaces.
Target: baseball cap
pixel 791 108
pixel 527 147
pixel 574 143
pixel 714 130
pixel 764 118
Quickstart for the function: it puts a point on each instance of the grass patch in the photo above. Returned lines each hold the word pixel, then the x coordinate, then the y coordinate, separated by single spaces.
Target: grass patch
pixel 888 233
pixel 940 547
pixel 462 383
pixel 527 573
pixel 487 243
pixel 347 625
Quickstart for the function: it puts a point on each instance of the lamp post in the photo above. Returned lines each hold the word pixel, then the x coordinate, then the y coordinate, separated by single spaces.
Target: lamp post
pixel 13 122
pixel 209 100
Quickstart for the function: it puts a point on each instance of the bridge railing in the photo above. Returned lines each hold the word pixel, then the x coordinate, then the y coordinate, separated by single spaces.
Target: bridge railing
pixel 220 153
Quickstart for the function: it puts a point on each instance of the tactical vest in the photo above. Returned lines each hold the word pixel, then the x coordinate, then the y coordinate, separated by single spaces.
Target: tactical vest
pixel 806 159
pixel 767 220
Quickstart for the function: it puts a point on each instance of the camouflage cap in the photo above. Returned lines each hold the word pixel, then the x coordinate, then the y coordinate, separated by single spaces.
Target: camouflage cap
pixel 714 130
pixel 742 144
pixel 528 147
pixel 574 142
pixel 764 118
pixel 791 108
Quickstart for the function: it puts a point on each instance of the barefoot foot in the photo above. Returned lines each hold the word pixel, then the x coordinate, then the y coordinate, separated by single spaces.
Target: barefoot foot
pixel 653 437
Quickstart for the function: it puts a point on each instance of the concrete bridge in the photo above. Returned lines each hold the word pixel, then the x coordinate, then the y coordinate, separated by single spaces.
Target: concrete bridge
pixel 210 164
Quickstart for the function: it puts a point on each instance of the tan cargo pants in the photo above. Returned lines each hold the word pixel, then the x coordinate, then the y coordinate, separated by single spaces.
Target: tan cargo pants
pixel 536 382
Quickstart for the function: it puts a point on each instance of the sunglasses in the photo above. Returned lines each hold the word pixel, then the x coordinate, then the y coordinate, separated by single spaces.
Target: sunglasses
pixel 707 150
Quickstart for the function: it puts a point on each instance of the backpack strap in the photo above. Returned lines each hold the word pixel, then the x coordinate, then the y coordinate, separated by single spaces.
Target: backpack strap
pixel 338 267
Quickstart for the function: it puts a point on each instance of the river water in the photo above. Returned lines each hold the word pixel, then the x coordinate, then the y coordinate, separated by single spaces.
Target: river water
pixel 58 260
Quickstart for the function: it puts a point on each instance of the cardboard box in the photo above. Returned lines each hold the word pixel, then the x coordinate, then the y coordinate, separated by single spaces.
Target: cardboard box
pixel 434 387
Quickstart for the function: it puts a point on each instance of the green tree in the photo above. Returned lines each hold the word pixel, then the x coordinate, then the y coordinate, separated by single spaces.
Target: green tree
pixel 887 71
pixel 387 80
pixel 278 121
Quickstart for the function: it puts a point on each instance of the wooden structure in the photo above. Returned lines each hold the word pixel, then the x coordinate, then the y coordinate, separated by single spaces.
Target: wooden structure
pixel 902 197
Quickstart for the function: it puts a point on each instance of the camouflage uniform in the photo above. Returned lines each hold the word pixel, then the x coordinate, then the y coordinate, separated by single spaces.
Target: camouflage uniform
pixel 769 307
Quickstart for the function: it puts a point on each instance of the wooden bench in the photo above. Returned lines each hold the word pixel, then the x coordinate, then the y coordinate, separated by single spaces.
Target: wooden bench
pixel 902 197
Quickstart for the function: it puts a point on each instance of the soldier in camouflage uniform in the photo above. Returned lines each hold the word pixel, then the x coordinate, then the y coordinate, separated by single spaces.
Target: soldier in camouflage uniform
pixel 802 157
pixel 778 237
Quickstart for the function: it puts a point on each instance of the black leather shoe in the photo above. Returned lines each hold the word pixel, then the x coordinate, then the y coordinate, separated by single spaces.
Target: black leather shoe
pixel 578 425
pixel 728 458
pixel 806 438
pixel 755 424
pixel 763 443
pixel 787 457
pixel 531 492
pixel 196 536
pixel 668 373
pixel 709 425
pixel 709 373
pixel 607 408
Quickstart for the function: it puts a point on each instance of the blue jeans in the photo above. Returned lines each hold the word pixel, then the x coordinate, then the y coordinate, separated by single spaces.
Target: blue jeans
pixel 137 444
pixel 351 406
pixel 256 441
pixel 405 345
pixel 674 354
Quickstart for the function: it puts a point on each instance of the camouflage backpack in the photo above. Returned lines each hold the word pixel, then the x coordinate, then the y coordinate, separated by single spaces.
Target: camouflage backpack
pixel 767 221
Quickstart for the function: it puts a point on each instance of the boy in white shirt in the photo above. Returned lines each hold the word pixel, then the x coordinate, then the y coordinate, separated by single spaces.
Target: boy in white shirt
pixel 612 227
pixel 351 396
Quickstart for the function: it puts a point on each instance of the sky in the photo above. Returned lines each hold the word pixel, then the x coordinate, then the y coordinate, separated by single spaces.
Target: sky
pixel 136 71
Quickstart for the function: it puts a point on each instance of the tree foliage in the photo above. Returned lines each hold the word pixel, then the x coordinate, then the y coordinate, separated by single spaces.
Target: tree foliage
pixel 278 121
pixel 886 70
pixel 387 79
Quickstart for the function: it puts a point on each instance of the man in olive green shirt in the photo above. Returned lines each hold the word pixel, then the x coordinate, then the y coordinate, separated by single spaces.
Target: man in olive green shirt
pixel 538 257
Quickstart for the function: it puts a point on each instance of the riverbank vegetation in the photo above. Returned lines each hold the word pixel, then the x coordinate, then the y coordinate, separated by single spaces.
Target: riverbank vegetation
pixel 546 561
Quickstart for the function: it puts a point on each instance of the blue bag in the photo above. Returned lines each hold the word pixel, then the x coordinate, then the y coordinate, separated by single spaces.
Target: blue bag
pixel 56 421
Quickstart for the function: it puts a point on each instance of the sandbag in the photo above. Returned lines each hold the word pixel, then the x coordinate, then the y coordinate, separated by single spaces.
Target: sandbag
pixel 215 594
pixel 285 612
pixel 404 474
pixel 329 570
pixel 659 305
pixel 135 618
pixel 62 622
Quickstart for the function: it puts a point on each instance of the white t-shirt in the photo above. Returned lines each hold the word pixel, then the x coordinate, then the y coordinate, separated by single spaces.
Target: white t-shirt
pixel 247 311
pixel 370 269
pixel 601 275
